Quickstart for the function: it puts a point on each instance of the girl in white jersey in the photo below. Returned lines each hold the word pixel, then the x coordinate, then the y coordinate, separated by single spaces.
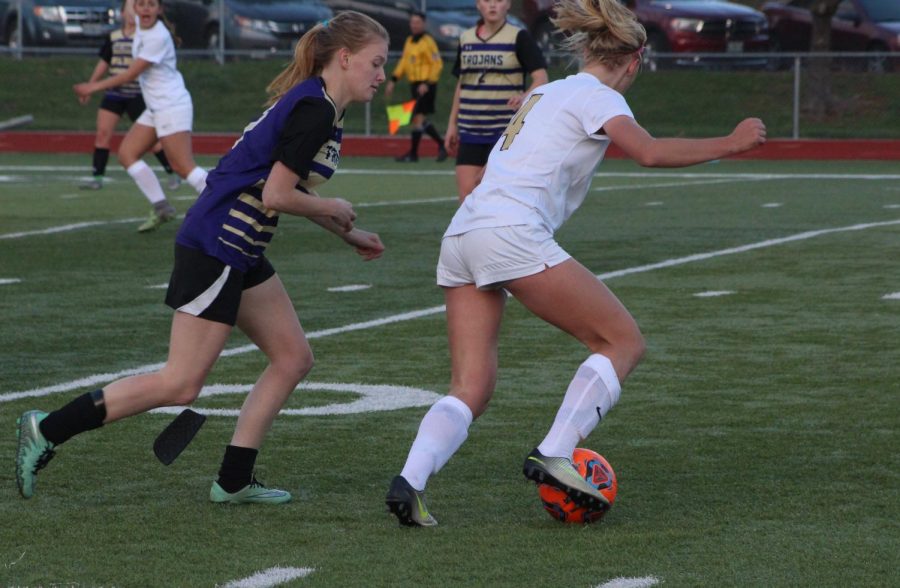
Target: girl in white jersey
pixel 501 237
pixel 168 117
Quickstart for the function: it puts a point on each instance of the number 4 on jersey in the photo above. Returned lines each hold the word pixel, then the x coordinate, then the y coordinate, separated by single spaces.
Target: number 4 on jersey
pixel 515 125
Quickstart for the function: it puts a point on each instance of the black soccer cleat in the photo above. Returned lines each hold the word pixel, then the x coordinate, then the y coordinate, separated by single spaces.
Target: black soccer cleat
pixel 408 504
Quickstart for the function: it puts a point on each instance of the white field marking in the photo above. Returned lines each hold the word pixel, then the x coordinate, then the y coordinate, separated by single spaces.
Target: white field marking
pixel 350 288
pixel 644 582
pixel 269 577
pixel 194 197
pixel 159 286
pixel 96 379
pixel 891 296
pixel 713 293
pixel 892 205
pixel 677 184
pixel 414 201
pixel 772 205
pixel 7 281
pixel 373 398
pixel 654 203
pixel 406 316
pixel 67 228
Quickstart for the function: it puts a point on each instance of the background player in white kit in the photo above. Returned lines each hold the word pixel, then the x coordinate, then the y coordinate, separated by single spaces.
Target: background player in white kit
pixel 169 116
pixel 501 237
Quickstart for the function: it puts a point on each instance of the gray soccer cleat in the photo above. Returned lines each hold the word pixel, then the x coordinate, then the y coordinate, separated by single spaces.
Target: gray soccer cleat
pixel 560 473
pixel 408 504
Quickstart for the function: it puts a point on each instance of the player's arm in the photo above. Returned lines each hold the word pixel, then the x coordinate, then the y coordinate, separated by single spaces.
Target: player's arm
pixel 648 151
pixel 137 67
pixel 280 194
pixel 532 59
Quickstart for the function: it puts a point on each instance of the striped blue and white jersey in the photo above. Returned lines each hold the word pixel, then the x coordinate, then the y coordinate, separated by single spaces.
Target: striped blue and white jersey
pixel 229 220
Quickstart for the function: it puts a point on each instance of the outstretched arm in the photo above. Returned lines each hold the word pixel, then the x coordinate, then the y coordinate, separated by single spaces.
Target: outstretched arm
pixel 137 67
pixel 648 151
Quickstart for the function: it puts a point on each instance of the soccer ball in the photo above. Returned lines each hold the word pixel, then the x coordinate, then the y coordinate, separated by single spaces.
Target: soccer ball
pixel 597 471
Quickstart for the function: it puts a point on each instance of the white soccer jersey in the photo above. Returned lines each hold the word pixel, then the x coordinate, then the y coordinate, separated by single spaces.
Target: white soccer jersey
pixel 540 170
pixel 161 83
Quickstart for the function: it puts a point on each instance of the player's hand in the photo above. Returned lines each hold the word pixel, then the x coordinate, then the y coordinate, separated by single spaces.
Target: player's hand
pixel 451 140
pixel 749 133
pixel 368 245
pixel 389 89
pixel 83 90
pixel 422 89
pixel 516 101
pixel 84 100
pixel 342 213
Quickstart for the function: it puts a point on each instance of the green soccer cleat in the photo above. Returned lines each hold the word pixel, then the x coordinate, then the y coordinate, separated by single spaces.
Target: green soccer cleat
pixel 157 219
pixel 253 493
pixel 33 453
pixel 560 473
pixel 408 504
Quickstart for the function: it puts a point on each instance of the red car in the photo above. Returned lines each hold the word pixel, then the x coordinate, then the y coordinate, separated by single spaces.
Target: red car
pixel 678 26
pixel 858 25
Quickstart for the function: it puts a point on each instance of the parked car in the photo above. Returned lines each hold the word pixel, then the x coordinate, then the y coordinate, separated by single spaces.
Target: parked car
pixel 677 26
pixel 249 24
pixel 447 19
pixel 58 22
pixel 858 25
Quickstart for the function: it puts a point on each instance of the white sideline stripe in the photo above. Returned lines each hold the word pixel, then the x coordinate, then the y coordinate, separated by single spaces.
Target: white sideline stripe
pixel 270 577
pixel 677 184
pixel 350 288
pixel 644 582
pixel 406 316
pixel 66 228
pixel 6 281
pixel 600 173
pixel 891 296
pixel 773 205
pixel 713 293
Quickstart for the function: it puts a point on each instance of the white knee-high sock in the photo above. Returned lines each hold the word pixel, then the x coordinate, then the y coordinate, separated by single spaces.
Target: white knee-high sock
pixel 197 179
pixel 146 181
pixel 592 393
pixel 442 431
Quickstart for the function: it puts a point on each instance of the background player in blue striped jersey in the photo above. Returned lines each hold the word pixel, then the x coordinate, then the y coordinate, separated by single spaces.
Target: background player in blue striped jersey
pixel 492 61
pixel 502 237
pixel 222 277
pixel 115 57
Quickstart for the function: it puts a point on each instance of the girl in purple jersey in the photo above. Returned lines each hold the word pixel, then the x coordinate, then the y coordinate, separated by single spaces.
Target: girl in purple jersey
pixel 219 282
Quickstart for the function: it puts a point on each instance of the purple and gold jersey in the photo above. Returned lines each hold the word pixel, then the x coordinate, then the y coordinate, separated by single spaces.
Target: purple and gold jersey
pixel 229 220
pixel 117 53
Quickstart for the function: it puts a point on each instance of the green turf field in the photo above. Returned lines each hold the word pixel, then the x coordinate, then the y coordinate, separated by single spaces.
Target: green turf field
pixel 752 446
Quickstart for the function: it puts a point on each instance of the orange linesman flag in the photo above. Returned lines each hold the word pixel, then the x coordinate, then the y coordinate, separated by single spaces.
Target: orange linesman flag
pixel 399 115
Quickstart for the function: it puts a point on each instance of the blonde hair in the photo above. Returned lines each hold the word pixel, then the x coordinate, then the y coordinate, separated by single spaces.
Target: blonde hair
pixel 602 30
pixel 351 30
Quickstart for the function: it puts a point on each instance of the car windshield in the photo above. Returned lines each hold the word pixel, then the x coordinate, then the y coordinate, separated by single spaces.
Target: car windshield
pixel 882 10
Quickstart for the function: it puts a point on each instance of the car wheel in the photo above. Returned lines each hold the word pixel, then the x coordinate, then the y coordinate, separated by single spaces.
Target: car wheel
pixel 879 63
pixel 548 39
pixel 12 35
pixel 656 43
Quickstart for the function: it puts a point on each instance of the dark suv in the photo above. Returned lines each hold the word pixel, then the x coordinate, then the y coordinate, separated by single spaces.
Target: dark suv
pixel 249 24
pixel 58 22
pixel 858 25
pixel 678 26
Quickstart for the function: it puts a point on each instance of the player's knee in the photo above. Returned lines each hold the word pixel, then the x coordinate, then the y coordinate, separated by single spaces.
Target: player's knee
pixel 294 365
pixel 181 390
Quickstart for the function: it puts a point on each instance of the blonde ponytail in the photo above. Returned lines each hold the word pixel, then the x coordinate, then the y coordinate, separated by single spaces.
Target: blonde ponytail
pixel 601 30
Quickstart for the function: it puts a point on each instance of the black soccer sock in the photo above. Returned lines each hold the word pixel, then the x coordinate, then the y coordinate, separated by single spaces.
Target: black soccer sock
pixel 164 161
pixel 101 158
pixel 237 468
pixel 416 137
pixel 85 413
pixel 433 133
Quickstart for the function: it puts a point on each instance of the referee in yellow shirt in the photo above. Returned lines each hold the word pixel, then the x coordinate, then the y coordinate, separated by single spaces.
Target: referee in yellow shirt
pixel 421 63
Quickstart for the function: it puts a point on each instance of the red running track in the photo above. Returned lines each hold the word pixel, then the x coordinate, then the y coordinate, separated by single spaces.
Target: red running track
pixel 381 146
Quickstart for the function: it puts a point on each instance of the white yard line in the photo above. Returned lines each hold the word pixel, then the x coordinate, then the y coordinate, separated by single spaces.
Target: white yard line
pixel 67 228
pixel 406 316
pixel 644 582
pixel 269 577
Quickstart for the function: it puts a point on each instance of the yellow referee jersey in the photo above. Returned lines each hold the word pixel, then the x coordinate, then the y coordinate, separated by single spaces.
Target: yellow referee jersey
pixel 421 61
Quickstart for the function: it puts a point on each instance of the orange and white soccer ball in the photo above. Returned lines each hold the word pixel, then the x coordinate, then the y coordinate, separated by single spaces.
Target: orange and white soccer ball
pixel 597 471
